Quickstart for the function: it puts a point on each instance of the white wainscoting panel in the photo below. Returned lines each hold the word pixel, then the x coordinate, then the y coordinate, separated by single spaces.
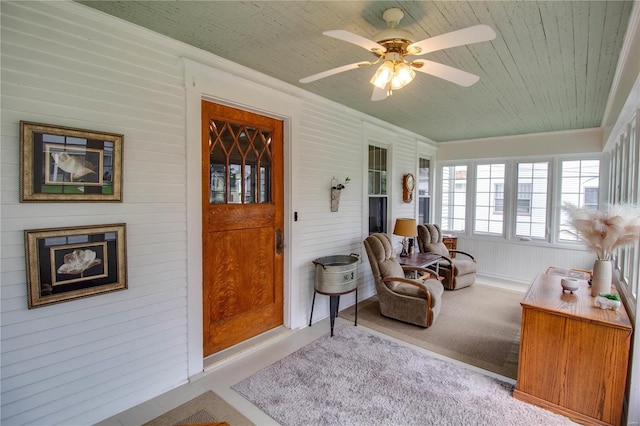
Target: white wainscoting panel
pixel 517 261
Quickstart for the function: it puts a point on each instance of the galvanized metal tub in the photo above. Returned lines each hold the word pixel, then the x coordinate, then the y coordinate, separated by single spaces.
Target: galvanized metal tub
pixel 336 274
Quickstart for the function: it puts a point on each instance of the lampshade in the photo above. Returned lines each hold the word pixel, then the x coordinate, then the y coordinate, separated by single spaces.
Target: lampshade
pixel 406 227
pixel 383 75
pixel 402 76
pixel 397 73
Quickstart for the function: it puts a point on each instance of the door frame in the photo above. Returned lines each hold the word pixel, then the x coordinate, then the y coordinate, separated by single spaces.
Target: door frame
pixel 248 93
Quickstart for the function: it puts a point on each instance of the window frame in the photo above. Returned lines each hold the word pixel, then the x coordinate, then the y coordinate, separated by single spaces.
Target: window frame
pixel 388 186
pixel 549 207
pixel 430 188
pixel 624 187
pixel 437 214
pixel 474 193
pixel 602 196
pixel 554 183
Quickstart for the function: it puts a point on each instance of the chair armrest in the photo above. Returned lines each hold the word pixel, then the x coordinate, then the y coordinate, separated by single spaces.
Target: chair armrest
pixel 447 261
pixel 464 253
pixel 416 283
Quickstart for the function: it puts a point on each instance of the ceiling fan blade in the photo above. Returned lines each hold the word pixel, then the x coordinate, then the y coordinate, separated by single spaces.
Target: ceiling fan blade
pixel 333 71
pixel 445 72
pixel 380 94
pixel 352 38
pixel 470 35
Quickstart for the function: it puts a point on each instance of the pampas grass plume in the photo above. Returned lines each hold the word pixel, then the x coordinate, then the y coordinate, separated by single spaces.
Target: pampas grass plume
pixel 605 231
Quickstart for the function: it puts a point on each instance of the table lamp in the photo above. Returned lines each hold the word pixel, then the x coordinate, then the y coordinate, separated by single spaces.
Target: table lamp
pixel 405 227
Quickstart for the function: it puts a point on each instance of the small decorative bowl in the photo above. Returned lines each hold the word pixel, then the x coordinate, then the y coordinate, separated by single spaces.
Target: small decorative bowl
pixel 604 303
pixel 570 284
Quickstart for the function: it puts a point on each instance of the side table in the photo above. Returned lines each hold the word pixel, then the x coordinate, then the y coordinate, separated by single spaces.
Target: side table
pixel 422 260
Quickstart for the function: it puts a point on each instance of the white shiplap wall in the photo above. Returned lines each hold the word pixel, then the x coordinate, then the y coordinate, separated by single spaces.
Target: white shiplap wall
pixel 81 361
pixel 331 145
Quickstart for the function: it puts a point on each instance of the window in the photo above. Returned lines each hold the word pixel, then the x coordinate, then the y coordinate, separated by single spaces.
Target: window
pixel 523 199
pixel 580 182
pixel 424 196
pixel 454 198
pixel 515 198
pixel 624 187
pixel 591 198
pixel 532 200
pixel 498 198
pixel 489 180
pixel 377 180
pixel 240 164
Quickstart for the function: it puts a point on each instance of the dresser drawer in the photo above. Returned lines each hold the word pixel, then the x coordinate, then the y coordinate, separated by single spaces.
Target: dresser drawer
pixel 451 243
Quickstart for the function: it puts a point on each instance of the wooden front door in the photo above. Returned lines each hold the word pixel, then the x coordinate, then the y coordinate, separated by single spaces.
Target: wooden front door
pixel 242 229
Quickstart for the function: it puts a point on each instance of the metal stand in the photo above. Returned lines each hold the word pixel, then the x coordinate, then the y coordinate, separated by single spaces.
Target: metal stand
pixel 334 302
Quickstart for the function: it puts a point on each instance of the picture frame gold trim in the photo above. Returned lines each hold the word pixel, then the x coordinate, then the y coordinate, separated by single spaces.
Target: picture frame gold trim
pixel 66 164
pixel 70 263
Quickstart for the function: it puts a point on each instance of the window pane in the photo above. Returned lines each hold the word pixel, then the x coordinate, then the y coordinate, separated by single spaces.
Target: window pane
pixel 262 145
pixel 377 184
pixel 424 184
pixel 489 194
pixel 377 171
pixel 240 164
pixel 580 183
pixel 377 214
pixel 531 200
pixel 454 198
pixel 235 184
pixel 423 177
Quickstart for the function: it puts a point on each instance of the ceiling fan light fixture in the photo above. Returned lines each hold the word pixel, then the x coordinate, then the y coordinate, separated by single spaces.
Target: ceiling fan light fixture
pixel 383 75
pixel 402 76
pixel 392 47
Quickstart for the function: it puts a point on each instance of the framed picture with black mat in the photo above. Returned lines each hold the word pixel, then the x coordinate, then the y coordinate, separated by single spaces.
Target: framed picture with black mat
pixel 64 264
pixel 59 164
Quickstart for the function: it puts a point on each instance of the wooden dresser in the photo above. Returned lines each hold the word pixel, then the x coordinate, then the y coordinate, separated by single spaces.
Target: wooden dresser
pixel 451 243
pixel 573 356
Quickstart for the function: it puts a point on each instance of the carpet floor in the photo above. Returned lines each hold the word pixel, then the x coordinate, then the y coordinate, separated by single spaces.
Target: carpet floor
pixel 358 378
pixel 478 325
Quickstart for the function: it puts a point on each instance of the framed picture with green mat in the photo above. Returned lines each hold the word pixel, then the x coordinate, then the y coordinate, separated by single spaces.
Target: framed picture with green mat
pixel 59 164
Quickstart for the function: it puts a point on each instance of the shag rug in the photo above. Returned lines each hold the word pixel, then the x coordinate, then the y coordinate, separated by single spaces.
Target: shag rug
pixel 478 325
pixel 357 378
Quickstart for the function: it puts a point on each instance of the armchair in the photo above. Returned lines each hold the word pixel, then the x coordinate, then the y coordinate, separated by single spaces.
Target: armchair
pixel 458 272
pixel 413 301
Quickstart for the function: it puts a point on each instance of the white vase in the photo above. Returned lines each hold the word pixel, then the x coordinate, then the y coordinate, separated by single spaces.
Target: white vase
pixel 601 279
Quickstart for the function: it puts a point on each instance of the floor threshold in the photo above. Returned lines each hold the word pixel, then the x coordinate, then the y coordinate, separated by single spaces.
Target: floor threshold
pixel 235 352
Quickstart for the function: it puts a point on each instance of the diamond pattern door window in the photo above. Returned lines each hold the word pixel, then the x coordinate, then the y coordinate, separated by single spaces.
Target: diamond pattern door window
pixel 239 164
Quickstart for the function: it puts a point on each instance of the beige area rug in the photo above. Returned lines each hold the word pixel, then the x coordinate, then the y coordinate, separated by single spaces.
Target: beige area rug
pixel 358 378
pixel 206 408
pixel 478 325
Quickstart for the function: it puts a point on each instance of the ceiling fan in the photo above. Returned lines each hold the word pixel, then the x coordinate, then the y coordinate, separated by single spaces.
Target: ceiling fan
pixel 392 46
